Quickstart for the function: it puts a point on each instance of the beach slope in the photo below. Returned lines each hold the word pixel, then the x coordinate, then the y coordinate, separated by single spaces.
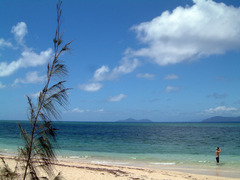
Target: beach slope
pixel 81 170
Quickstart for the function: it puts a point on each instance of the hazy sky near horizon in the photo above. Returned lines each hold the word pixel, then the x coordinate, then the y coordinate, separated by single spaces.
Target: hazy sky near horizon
pixel 174 60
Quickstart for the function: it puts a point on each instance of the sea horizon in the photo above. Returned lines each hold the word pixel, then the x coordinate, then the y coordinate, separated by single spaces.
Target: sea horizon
pixel 80 121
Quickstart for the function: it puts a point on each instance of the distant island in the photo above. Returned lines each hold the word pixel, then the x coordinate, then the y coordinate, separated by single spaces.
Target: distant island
pixel 220 119
pixel 131 120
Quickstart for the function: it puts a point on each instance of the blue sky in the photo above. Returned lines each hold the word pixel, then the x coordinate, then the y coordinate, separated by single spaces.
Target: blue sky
pixel 172 60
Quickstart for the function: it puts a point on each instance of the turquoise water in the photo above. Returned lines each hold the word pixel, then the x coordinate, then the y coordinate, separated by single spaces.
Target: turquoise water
pixel 148 144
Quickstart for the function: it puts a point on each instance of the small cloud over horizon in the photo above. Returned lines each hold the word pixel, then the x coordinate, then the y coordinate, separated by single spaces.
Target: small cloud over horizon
pixel 221 110
pixel 171 77
pixel 146 76
pixel 78 110
pixel 169 89
pixel 116 98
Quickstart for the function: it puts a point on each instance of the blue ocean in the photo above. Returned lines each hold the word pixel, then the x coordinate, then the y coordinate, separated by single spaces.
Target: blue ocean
pixel 176 146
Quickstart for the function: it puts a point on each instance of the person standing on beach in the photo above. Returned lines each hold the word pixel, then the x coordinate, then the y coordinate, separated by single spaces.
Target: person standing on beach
pixel 218 151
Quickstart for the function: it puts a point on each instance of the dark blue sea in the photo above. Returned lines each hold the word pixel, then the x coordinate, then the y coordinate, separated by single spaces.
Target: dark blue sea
pixel 174 145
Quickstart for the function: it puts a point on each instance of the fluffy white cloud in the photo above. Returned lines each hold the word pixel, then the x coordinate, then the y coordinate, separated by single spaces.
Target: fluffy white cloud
pixel 146 76
pixel 104 73
pixel 31 77
pixel 28 59
pixel 171 89
pixel 19 31
pixel 4 43
pixel 91 87
pixel 32 59
pixel 8 69
pixel 117 98
pixel 221 110
pixel 171 77
pixel 188 33
pixel 101 73
pixel 2 86
pixel 126 66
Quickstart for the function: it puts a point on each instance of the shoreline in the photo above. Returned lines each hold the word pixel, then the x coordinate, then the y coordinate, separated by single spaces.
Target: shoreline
pixel 220 170
pixel 215 171
pixel 78 169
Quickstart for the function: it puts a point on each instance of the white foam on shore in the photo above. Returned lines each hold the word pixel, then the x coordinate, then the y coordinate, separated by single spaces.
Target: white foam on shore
pixel 109 162
pixel 202 161
pixel 74 157
pixel 163 163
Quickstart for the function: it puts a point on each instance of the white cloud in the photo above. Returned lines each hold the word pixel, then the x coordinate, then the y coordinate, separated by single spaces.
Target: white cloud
pixel 77 110
pixel 2 85
pixel 100 110
pixel 188 33
pixel 146 76
pixel 19 31
pixel 8 69
pixel 31 77
pixel 35 95
pixel 171 77
pixel 31 59
pixel 91 87
pixel 117 98
pixel 4 43
pixel 101 73
pixel 171 89
pixel 104 73
pixel 126 66
pixel 221 109
pixel 28 59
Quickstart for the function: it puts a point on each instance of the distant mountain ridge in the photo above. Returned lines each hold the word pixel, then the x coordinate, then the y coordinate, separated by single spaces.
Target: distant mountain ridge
pixel 131 120
pixel 221 119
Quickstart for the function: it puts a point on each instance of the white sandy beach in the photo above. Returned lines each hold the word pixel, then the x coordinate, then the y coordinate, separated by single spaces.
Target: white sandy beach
pixel 72 170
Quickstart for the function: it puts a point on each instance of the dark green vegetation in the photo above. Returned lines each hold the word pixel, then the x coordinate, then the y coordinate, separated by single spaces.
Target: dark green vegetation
pixel 40 140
